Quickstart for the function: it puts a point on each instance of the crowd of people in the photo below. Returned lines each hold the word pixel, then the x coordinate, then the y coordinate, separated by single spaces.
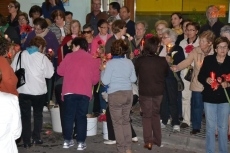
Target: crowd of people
pixel 181 72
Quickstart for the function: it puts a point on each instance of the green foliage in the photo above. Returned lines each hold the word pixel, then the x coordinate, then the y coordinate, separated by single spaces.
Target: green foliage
pixel 198 17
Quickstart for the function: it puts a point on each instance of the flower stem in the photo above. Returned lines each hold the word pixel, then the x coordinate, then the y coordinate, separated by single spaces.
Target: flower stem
pixel 98 87
pixel 226 94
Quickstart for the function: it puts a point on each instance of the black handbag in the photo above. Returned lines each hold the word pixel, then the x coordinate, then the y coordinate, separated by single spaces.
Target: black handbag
pixel 188 76
pixel 20 73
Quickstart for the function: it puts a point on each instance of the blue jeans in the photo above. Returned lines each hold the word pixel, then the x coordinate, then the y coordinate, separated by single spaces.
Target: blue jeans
pixel 102 100
pixel 216 116
pixel 76 108
pixel 197 107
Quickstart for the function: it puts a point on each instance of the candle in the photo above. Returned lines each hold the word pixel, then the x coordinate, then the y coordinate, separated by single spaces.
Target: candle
pixel 168 48
pixel 142 42
pixel 6 36
pixel 212 75
pixel 50 50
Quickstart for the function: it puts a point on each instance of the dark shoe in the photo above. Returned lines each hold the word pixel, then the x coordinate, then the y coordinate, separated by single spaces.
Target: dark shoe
pixel 184 125
pixel 181 119
pixel 195 131
pixel 27 146
pixel 141 113
pixel 228 137
pixel 148 146
pixel 37 142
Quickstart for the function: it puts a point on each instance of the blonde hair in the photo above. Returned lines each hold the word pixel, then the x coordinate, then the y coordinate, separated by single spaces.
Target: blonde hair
pixel 209 35
pixel 162 22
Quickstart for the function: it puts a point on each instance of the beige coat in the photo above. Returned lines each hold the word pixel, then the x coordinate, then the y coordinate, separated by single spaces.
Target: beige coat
pixel 196 56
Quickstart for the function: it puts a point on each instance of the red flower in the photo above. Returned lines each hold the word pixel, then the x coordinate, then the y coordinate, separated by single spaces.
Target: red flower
pixel 226 77
pixel 189 48
pixel 136 52
pixel 102 117
pixel 219 79
pixel 214 85
pixel 25 29
pixel 100 42
pixel 149 35
pixel 109 56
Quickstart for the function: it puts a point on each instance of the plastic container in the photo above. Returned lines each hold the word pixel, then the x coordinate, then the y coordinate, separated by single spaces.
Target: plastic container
pixel 105 131
pixel 56 120
pixel 91 126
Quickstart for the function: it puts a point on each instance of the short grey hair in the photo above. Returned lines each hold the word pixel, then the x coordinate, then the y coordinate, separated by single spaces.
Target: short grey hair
pixel 143 23
pixel 172 34
pixel 225 29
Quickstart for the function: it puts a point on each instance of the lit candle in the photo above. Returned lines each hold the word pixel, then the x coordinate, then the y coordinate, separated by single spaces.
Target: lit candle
pixel 212 75
pixel 50 50
pixel 6 36
pixel 142 42
pixel 168 48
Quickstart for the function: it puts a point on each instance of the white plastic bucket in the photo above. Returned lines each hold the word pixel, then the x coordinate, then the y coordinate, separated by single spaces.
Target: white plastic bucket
pixel 91 126
pixel 105 131
pixel 55 117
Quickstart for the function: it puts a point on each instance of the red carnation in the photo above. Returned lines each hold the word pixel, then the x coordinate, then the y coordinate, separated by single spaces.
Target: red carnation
pixel 149 35
pixel 100 42
pixel 226 77
pixel 136 52
pixel 102 117
pixel 189 48
pixel 25 29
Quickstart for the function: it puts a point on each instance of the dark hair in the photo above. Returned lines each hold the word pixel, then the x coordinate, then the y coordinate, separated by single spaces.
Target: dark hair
pixel 195 24
pixel 79 41
pixel 58 2
pixel 127 9
pixel 186 20
pixel 119 48
pixel 3 20
pixel 68 13
pixel 117 25
pixel 25 15
pixel 42 22
pixel 16 5
pixel 87 25
pixel 57 13
pixel 179 16
pixel 116 6
pixel 100 22
pixel 37 41
pixel 151 45
pixel 34 9
pixel 4 46
pixel 220 40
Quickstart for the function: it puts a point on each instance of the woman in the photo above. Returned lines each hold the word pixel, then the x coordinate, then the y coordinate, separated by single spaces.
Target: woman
pixel 14 10
pixel 34 13
pixel 151 88
pixel 174 55
pixel 87 33
pixel 159 26
pixel 60 28
pixel 197 56
pixel 77 90
pixel 51 5
pixel 225 32
pixel 33 93
pixel 176 20
pixel 185 33
pixel 188 44
pixel 216 104
pixel 8 79
pixel 119 75
pixel 24 26
pixel 8 31
pixel 110 21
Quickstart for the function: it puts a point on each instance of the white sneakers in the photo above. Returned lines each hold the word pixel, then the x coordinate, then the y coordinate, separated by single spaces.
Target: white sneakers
pixel 110 142
pixel 81 146
pixel 176 128
pixel 134 139
pixel 68 143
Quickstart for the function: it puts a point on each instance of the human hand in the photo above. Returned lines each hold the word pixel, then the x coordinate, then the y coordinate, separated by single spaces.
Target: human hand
pixel 131 55
pixel 174 68
pixel 209 80
pixel 69 43
pixel 169 59
pixel 224 84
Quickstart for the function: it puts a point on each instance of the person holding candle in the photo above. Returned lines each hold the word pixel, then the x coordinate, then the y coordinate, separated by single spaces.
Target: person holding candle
pixel 216 101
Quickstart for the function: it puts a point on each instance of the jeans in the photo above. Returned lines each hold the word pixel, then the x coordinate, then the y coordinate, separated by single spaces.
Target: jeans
pixel 216 116
pixel 102 100
pixel 197 107
pixel 25 103
pixel 76 108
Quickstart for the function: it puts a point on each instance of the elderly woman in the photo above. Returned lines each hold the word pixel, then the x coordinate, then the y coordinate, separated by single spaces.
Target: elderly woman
pixel 8 79
pixel 77 90
pixel 33 93
pixel 159 26
pixel 225 32
pixel 216 104
pixel 119 75
pixel 188 44
pixel 196 56
pixel 87 33
pixel 174 55
pixel 60 28
pixel 176 20
pixel 151 88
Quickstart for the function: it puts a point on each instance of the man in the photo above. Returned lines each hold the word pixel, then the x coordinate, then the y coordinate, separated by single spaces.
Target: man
pixel 214 23
pixel 95 15
pixel 68 16
pixel 130 25
pixel 114 9
pixel 10 121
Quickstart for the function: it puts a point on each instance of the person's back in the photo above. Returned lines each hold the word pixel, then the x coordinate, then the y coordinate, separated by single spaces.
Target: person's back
pixel 10 122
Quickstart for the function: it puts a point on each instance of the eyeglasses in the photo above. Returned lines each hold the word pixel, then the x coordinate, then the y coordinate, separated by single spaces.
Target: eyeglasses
pixel 37 29
pixel 86 32
pixel 190 30
pixel 23 19
pixel 104 27
pixel 222 47
pixel 10 6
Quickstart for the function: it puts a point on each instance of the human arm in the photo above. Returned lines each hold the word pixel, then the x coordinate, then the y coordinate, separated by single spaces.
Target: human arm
pixel 133 77
pixel 107 74
pixel 48 67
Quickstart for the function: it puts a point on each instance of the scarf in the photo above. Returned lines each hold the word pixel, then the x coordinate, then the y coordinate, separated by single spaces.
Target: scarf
pixel 43 34
pixel 32 49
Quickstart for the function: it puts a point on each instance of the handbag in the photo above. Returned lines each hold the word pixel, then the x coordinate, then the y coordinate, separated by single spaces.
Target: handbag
pixel 20 73
pixel 188 76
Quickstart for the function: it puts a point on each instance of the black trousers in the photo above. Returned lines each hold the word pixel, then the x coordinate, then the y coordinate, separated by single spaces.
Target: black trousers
pixel 96 105
pixel 111 134
pixel 25 103
pixel 169 104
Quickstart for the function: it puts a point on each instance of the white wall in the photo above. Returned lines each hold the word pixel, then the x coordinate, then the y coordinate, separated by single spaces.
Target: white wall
pixel 79 7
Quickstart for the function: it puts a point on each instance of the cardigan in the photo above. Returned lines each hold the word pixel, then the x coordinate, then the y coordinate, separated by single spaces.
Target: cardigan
pixel 210 64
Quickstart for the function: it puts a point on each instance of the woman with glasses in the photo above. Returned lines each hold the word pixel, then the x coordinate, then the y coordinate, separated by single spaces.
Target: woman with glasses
pixel 188 45
pixel 216 103
pixel 14 10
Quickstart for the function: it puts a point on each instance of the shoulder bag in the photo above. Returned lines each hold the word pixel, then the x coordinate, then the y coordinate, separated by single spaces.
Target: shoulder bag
pixel 20 73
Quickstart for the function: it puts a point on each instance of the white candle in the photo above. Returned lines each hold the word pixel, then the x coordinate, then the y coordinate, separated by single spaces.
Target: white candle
pixel 6 36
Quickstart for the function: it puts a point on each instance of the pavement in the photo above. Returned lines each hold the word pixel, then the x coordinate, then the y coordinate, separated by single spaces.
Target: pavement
pixel 179 142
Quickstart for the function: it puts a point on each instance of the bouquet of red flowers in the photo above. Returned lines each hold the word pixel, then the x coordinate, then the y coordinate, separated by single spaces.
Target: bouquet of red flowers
pixel 24 30
pixel 102 117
